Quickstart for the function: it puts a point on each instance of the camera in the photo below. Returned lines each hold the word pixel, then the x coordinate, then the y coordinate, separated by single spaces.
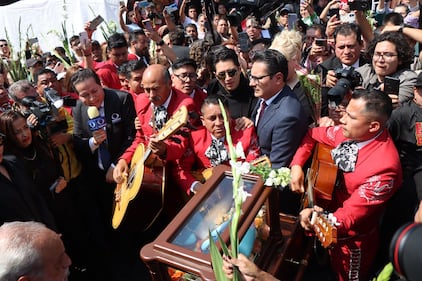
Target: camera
pixel 348 79
pixel 405 249
pixel 359 5
pixel 49 119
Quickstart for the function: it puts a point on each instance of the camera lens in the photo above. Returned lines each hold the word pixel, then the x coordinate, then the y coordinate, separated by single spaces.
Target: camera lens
pixel 405 251
pixel 338 92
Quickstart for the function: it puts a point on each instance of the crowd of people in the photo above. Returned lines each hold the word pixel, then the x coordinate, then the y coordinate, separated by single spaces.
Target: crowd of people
pixel 69 130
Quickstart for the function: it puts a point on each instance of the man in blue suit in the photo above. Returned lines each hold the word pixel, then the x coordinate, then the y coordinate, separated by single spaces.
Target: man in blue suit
pixel 282 124
pixel 279 118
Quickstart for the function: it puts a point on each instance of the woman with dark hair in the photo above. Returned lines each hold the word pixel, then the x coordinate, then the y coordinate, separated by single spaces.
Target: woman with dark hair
pixel 38 158
pixel 45 176
pixel 19 200
pixel 391 55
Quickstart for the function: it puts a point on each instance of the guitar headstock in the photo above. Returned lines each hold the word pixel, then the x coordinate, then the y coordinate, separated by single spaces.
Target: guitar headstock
pixel 324 229
pixel 177 120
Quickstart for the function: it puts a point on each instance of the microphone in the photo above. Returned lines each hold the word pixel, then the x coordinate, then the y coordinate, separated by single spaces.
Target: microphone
pixel 95 122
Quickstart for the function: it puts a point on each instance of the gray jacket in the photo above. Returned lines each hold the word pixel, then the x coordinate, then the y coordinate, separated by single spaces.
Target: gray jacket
pixel 407 80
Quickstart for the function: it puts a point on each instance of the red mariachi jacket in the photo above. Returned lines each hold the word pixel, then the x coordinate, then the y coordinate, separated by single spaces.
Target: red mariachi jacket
pixel 194 157
pixel 108 75
pixel 144 113
pixel 358 204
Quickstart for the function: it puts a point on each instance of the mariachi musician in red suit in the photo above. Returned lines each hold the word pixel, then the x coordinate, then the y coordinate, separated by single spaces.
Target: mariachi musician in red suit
pixel 154 108
pixel 208 145
pixel 158 94
pixel 369 175
pixel 184 79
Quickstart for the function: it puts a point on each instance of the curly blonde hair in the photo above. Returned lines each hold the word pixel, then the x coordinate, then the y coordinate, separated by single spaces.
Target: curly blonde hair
pixel 289 43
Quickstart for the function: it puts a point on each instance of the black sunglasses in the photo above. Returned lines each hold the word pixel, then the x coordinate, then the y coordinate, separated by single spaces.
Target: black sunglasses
pixel 230 73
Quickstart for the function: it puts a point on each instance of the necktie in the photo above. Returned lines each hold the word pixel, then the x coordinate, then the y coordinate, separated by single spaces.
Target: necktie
pixel 103 153
pixel 261 110
pixel 217 153
pixel 345 155
pixel 104 156
pixel 160 113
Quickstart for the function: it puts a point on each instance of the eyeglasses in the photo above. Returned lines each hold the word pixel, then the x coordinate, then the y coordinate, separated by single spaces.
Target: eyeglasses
pixel 184 76
pixel 222 75
pixel 333 106
pixel 3 45
pixel 385 56
pixel 257 79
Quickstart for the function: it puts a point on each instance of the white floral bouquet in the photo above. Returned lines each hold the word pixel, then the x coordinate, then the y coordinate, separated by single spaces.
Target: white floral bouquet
pixel 312 85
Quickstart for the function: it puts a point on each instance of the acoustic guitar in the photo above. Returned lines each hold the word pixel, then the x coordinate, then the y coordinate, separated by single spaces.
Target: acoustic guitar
pixel 321 179
pixel 146 171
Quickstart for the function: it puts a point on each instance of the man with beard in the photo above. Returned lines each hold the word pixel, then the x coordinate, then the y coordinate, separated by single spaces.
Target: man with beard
pixel 138 46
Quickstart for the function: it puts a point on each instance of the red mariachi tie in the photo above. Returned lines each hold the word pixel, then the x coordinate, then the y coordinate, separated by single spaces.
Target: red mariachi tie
pixel 262 110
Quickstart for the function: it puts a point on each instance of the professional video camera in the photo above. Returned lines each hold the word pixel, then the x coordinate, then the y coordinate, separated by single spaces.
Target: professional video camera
pixel 259 8
pixel 405 251
pixel 50 120
pixel 348 79
pixel 359 5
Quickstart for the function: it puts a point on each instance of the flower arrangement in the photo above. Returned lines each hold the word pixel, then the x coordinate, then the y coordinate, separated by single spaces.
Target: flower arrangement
pixel 272 177
pixel 312 85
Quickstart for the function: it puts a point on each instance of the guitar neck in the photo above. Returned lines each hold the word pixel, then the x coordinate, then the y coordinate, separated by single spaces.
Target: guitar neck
pixel 309 190
pixel 147 154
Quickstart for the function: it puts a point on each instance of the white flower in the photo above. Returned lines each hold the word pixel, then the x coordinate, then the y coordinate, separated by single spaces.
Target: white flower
pixel 244 168
pixel 241 167
pixel 283 170
pixel 268 182
pixel 243 193
pixel 277 181
pixel 239 151
pixel 272 174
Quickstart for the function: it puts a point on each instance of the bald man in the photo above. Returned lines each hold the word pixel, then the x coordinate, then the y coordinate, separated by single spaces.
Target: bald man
pixel 31 251
pixel 154 108
pixel 147 213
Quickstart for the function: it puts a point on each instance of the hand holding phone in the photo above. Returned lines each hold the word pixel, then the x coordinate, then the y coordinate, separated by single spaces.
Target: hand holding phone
pixel 83 38
pixel 334 12
pixel 171 8
pixel 147 24
pixel 391 85
pixel 32 41
pixel 292 20
pixel 244 42
pixel 321 42
pixel 348 17
pixel 96 22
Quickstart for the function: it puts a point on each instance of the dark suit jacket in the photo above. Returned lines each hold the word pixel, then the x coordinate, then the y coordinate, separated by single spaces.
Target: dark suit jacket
pixel 119 113
pixel 241 100
pixel 19 199
pixel 281 128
